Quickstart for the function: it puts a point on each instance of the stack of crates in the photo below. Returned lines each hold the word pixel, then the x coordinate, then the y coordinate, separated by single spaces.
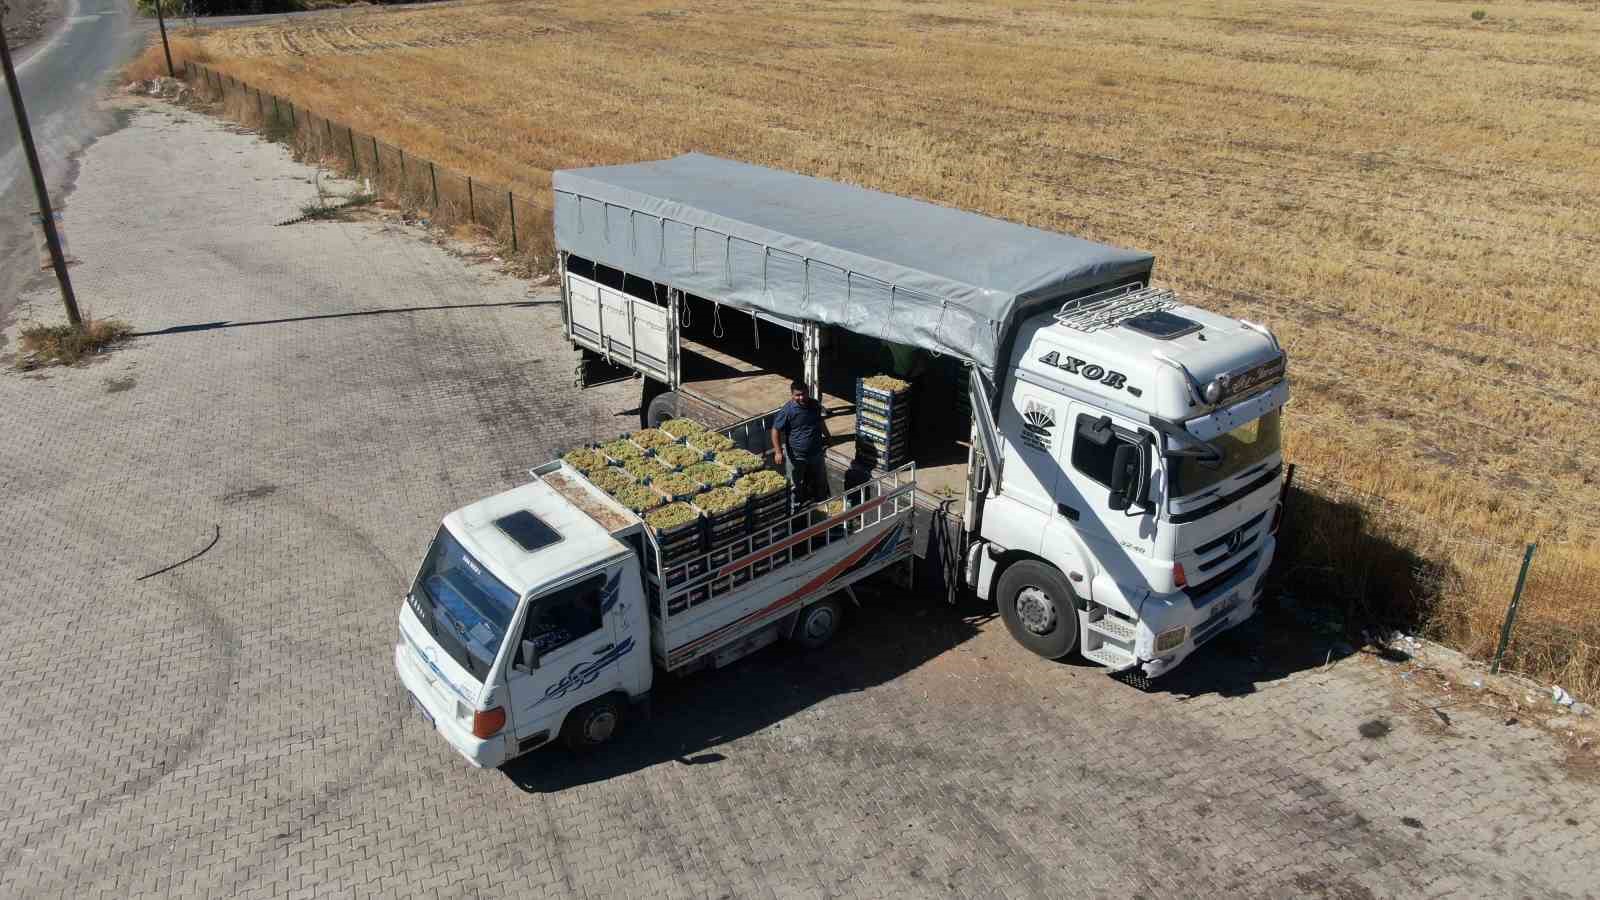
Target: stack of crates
pixel 726 537
pixel 725 528
pixel 883 427
pixel 767 512
pixel 679 545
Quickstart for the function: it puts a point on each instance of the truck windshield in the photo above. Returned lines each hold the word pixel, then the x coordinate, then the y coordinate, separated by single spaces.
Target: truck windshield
pixel 467 609
pixel 1242 448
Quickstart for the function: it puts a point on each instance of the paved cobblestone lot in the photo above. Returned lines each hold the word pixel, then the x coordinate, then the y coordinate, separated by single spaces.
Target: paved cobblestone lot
pixel 319 395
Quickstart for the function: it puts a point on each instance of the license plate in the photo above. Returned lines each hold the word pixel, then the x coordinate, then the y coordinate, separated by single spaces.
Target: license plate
pixel 1223 608
pixel 421 709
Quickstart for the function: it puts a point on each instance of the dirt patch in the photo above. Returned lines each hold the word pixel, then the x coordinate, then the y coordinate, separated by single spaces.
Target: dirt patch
pixel 587 499
pixel 26 20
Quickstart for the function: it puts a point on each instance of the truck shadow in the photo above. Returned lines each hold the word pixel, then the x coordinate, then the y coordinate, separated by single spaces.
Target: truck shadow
pixel 1341 580
pixel 891 633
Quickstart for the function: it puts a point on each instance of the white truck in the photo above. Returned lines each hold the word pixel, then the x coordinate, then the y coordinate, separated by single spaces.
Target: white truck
pixel 544 612
pixel 1114 450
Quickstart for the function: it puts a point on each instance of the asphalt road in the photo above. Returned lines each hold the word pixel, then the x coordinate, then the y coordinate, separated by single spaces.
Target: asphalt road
pixel 60 76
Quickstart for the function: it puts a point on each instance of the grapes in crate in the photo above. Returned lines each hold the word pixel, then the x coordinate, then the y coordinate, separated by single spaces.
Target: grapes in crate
pixel 741 461
pixel 710 474
pixel 586 460
pixel 644 468
pixel 639 498
pixel 622 449
pixel 710 441
pixel 682 428
pixel 670 516
pixel 676 486
pixel 759 484
pixel 653 438
pixel 612 479
pixel 679 456
pixel 720 500
pixel 886 383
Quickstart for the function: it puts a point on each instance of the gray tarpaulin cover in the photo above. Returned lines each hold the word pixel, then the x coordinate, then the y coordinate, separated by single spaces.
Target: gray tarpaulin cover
pixel 805 248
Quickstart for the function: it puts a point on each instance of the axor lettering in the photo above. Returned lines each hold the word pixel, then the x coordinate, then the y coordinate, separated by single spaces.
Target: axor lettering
pixel 1085 369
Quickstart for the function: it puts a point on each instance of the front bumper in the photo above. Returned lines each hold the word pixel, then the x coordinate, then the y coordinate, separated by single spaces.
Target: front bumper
pixel 1223 613
pixel 484 753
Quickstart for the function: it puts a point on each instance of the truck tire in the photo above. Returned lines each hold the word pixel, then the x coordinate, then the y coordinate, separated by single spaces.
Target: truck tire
pixel 817 624
pixel 1039 608
pixel 662 407
pixel 592 724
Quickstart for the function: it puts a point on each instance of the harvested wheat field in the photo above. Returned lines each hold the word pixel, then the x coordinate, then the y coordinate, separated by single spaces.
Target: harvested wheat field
pixel 1407 192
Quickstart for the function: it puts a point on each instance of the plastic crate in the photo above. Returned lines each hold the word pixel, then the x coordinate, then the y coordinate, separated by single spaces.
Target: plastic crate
pixel 866 391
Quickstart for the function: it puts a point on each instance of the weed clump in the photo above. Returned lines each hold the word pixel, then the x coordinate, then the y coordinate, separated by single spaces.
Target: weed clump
pixel 1478 15
pixel 67 345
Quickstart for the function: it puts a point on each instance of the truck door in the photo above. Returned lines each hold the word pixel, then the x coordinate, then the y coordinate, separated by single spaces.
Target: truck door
pixel 619 328
pixel 1032 421
pixel 1118 539
pixel 570 651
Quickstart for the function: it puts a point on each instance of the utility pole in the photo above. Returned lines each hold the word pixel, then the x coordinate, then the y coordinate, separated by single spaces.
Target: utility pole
pixel 162 21
pixel 46 212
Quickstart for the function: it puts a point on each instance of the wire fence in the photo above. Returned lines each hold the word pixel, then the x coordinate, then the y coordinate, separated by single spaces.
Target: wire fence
pixel 1533 607
pixel 520 225
pixel 1372 561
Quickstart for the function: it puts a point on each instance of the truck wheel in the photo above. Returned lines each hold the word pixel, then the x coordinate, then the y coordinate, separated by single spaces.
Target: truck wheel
pixel 818 623
pixel 592 724
pixel 1038 608
pixel 662 407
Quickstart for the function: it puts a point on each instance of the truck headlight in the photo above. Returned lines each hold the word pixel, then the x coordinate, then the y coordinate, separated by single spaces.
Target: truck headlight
pixel 1171 639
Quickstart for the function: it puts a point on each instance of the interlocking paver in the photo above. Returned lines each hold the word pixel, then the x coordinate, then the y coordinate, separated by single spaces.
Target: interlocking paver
pixel 323 393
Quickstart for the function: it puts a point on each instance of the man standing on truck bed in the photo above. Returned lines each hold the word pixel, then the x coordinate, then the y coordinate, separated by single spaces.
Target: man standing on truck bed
pixel 800 435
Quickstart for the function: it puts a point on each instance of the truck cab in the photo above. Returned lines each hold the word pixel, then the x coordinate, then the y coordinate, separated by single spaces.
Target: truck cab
pixel 1130 507
pixel 524 623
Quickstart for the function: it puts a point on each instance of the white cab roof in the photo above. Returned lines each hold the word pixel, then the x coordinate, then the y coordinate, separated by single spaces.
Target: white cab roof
pixel 583 542
pixel 1089 361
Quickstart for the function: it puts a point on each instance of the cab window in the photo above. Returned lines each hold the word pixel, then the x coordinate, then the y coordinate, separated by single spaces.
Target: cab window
pixel 566 615
pixel 1094 447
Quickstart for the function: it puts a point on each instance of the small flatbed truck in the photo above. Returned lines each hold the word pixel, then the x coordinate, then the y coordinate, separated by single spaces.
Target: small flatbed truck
pixel 543 613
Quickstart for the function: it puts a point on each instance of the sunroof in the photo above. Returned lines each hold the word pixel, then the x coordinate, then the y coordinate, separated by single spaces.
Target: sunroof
pixel 528 530
pixel 1162 325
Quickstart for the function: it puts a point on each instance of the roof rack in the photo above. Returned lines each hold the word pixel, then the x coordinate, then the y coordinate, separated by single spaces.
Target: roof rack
pixel 1103 309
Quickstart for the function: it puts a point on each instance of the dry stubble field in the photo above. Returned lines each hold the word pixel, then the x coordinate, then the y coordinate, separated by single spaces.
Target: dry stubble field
pixel 1406 193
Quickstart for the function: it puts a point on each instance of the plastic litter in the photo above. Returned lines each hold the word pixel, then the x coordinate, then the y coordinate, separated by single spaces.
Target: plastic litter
pixel 1561 697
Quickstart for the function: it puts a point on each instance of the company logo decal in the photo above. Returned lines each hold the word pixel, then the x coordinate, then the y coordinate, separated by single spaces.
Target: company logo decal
pixel 1085 369
pixel 585 673
pixel 610 593
pixel 1037 420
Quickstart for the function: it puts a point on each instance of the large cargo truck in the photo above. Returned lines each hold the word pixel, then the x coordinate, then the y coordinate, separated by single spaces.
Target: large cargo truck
pixel 1105 461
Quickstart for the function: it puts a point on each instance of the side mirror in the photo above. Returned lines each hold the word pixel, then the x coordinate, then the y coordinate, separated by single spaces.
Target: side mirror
pixel 1124 476
pixel 527 658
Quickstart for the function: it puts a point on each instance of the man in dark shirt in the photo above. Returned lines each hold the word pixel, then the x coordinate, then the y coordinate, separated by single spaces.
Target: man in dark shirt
pixel 800 437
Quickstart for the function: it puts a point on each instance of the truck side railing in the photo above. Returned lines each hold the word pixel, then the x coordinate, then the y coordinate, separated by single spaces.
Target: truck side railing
pixel 687 584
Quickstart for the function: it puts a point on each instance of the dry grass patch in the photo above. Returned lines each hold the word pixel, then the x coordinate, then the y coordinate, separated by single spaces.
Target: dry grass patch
pixel 67 345
pixel 1405 194
pixel 152 63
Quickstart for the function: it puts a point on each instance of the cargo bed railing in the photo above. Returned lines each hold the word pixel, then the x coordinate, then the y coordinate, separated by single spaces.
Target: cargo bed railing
pixel 687 585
